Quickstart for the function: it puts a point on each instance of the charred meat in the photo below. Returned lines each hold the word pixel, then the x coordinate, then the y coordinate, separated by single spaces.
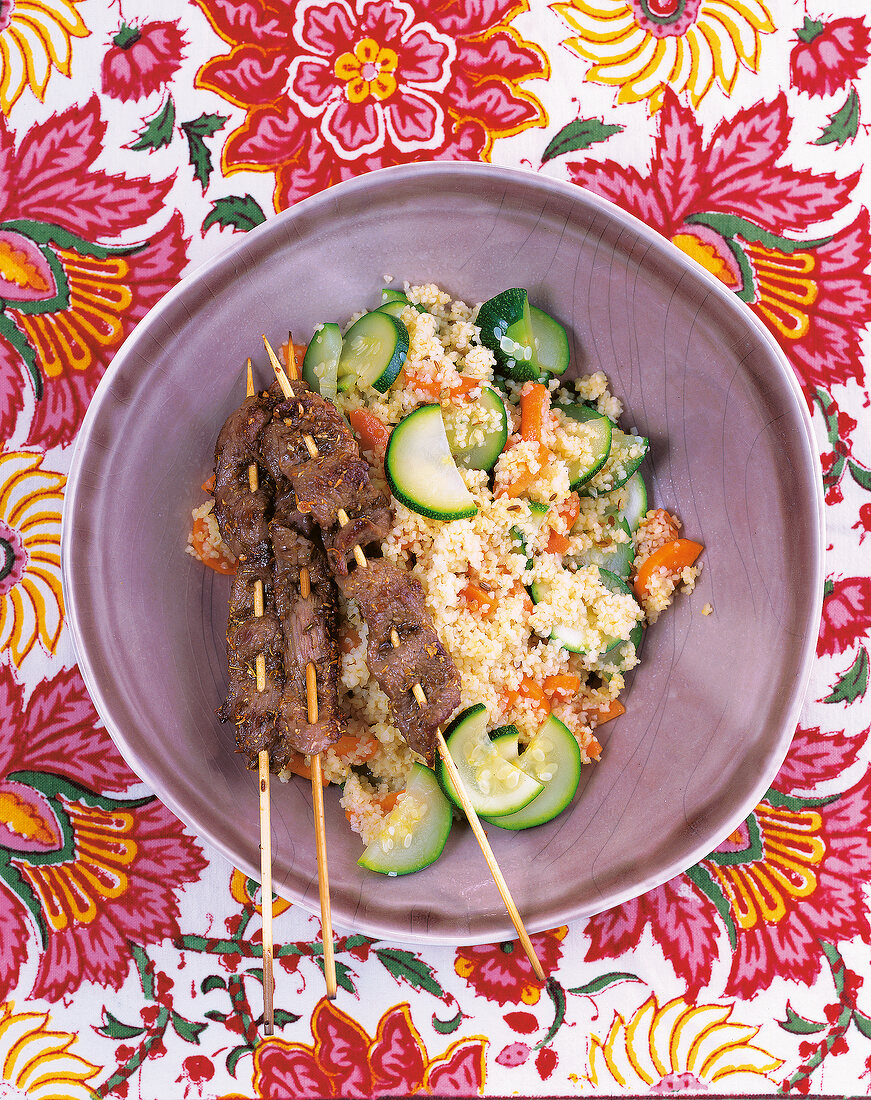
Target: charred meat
pixel 243 514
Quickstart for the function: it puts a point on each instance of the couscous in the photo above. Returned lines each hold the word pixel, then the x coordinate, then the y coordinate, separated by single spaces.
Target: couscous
pixel 540 579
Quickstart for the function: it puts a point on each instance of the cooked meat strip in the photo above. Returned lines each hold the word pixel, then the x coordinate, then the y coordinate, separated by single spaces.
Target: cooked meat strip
pixel 253 712
pixel 338 478
pixel 392 599
pixel 242 515
pixel 309 635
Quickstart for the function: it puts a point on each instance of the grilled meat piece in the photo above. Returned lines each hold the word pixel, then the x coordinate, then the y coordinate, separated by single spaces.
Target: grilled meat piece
pixel 392 599
pixel 242 515
pixel 253 712
pixel 309 635
pixel 337 478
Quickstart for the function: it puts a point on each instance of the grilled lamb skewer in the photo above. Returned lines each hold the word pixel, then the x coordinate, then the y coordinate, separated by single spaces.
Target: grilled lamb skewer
pixel 308 447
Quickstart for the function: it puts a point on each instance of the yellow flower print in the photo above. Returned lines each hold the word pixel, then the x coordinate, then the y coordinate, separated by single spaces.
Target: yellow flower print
pixel 37 1062
pixel 35 37
pixel 368 71
pixel 644 46
pixel 31 600
pixel 678 1046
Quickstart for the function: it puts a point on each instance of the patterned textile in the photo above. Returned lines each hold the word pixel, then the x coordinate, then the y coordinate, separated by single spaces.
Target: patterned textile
pixel 135 140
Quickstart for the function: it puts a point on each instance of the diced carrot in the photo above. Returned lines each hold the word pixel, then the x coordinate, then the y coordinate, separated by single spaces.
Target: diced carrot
pixel 298 766
pixel 615 709
pixel 523 480
pixel 534 405
pixel 674 556
pixel 349 638
pixel 479 598
pixel 519 590
pixel 464 386
pixel 388 801
pixel 208 486
pixel 370 431
pixel 594 749
pixel 529 689
pixel 569 510
pixel 293 355
pixel 359 748
pixel 557 543
pixel 565 683
pixel 430 387
pixel 199 538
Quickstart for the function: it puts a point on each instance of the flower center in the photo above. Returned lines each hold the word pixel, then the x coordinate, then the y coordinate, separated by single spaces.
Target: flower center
pixel 13 558
pixel 368 71
pixel 666 18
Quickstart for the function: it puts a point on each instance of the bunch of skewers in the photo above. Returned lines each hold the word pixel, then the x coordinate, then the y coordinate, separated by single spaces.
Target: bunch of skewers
pixel 295 504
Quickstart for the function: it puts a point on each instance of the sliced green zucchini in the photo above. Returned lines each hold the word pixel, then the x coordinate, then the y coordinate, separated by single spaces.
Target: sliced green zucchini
pixel 483 455
pixel 321 362
pixel 617 558
pixel 600 429
pixel 494 785
pixel 506 741
pixel 538 514
pixel 373 351
pixel 393 308
pixel 388 295
pixel 506 329
pixel 421 469
pixel 415 831
pixel 635 508
pixel 550 342
pixel 620 466
pixel 554 759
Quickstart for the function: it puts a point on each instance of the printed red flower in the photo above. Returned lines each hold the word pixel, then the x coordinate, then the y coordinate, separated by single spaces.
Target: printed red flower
pixel 846 613
pixel 501 971
pixel 793 874
pixel 142 59
pixel 338 88
pixel 730 203
pixel 91 872
pixel 69 292
pixel 344 1061
pixel 828 55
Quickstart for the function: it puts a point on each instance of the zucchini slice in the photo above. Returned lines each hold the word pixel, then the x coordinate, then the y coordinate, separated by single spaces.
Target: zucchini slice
pixel 616 557
pixel 554 759
pixel 421 469
pixel 388 296
pixel 415 831
pixel 506 329
pixel 394 308
pixel 373 351
pixel 494 785
pixel 321 362
pixel 600 429
pixel 483 455
pixel 635 508
pixel 550 342
pixel 620 466
pixel 616 584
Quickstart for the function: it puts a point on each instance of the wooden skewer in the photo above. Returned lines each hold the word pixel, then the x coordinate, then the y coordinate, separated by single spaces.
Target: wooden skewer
pixel 420 696
pixel 311 685
pixel 265 801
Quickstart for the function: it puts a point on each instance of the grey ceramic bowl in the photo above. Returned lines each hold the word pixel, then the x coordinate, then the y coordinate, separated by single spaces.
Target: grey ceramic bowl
pixel 712 708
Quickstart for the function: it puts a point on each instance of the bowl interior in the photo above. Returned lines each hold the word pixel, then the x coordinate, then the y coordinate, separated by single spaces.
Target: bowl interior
pixel 712 707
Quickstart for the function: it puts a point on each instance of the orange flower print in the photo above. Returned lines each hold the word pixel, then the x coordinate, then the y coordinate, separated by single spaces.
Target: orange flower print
pixel 35 38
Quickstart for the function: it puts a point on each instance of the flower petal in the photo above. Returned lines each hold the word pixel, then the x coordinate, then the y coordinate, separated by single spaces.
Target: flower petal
pixel 415 120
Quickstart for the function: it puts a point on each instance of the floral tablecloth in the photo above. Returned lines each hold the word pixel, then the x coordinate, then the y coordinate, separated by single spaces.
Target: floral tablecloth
pixel 135 140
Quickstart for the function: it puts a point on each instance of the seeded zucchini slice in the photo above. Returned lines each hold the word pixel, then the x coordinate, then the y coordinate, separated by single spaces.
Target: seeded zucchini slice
pixel 635 508
pixel 373 351
pixel 554 759
pixel 617 559
pixel 550 342
pixel 494 785
pixel 321 363
pixel 415 831
pixel 506 329
pixel 483 455
pixel 620 465
pixel 421 469
pixel 600 429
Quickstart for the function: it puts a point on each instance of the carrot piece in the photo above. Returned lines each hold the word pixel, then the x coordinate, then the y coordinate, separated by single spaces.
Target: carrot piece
pixel 464 386
pixel 534 405
pixel 519 590
pixel 674 556
pixel 529 689
pixel 349 638
pixel 388 801
pixel 431 387
pixel 615 709
pixel 359 748
pixel 293 355
pixel 199 538
pixel 479 598
pixel 298 766
pixel 208 486
pixel 370 431
pixel 557 543
pixel 523 480
pixel 562 682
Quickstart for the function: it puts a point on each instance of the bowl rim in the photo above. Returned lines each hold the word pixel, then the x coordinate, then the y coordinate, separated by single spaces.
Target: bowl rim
pixel 438 172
